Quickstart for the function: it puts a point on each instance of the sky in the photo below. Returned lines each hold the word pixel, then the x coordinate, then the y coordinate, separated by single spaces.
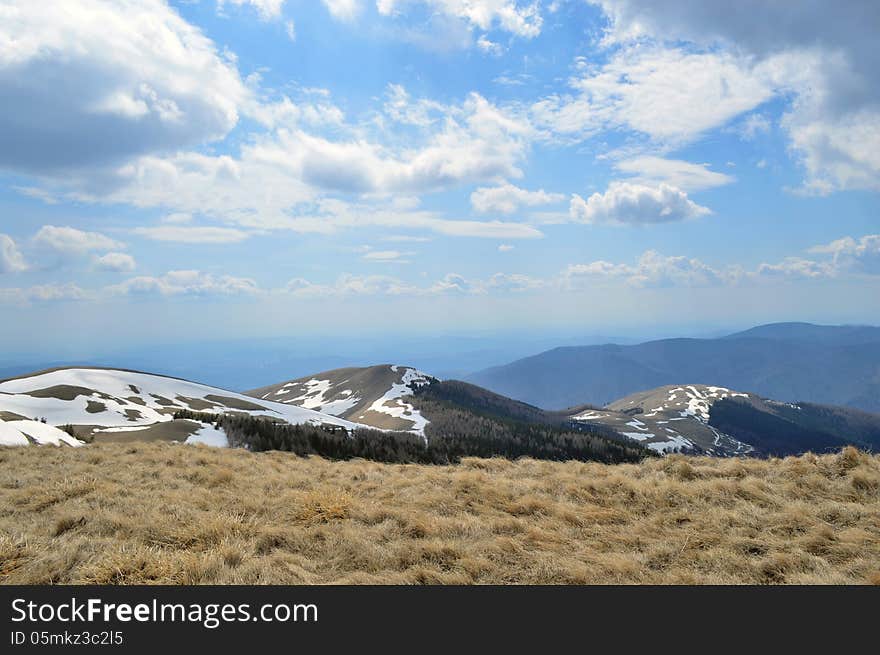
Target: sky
pixel 217 169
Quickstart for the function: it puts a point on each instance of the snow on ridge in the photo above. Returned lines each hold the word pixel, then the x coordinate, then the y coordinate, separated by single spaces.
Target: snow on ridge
pixel 313 397
pixel 413 376
pixel 699 403
pixel 16 433
pixel 660 408
pixel 392 403
pixel 143 395
pixel 588 415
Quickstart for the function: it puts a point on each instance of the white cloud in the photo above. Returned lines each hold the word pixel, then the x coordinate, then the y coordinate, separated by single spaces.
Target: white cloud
pixel 103 81
pixel 348 284
pixel 345 10
pixel 651 270
pixel 858 255
pixel 117 262
pixel 685 175
pixel 244 192
pixel 388 256
pixel 505 247
pixel 454 283
pixel 343 216
pixel 478 141
pixel 70 240
pixel 266 8
pixel 513 282
pixel 797 267
pixel 521 19
pixel 490 47
pixel 833 72
pixel 837 153
pixel 667 94
pixel 177 218
pixel 11 259
pixel 634 204
pixel 187 283
pixel 405 238
pixel 376 285
pixel 507 198
pixel 752 126
pixel 290 30
pixel 401 108
pixel 190 234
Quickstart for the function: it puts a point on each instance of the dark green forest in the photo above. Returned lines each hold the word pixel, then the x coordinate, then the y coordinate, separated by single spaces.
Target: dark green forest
pixel 451 435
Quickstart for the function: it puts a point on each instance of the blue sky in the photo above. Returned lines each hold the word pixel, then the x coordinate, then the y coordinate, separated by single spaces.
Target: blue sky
pixel 199 169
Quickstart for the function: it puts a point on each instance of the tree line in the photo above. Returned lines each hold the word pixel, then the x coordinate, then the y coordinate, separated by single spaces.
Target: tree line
pixel 450 436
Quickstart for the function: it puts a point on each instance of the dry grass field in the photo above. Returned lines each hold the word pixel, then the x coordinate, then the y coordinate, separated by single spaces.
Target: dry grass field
pixel 164 513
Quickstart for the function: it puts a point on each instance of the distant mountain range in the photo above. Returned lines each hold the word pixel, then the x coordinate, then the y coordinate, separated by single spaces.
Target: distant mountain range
pixel 773 390
pixel 700 419
pixel 789 362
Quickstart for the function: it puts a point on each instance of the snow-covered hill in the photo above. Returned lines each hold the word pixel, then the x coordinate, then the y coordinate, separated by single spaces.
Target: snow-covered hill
pixel 24 433
pixel 120 403
pixel 375 395
pixel 671 418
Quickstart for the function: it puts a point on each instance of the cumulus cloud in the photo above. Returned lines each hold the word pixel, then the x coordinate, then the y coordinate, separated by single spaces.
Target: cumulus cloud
pixel 797 268
pixel 651 270
pixel 513 282
pixel 635 204
pixel 833 73
pixel 348 284
pixel 478 141
pixel 116 262
pixel 383 285
pixel 187 283
pixel 858 255
pixel 69 240
pixel 104 81
pixel 507 198
pixel 191 234
pixel 11 259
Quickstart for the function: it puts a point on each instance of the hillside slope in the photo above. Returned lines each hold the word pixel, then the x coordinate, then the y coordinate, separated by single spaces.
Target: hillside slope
pixel 718 421
pixel 671 419
pixel 112 404
pixel 454 419
pixel 100 515
pixel 376 396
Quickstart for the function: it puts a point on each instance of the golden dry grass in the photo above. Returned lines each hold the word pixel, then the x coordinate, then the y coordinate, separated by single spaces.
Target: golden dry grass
pixel 164 513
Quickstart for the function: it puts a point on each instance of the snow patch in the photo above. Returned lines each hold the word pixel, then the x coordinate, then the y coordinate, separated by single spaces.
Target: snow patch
pixel 209 436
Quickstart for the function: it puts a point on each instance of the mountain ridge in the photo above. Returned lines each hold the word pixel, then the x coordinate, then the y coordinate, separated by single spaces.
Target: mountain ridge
pixel 837 369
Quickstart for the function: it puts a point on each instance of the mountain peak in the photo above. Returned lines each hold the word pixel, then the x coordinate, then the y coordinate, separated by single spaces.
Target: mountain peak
pixel 371 395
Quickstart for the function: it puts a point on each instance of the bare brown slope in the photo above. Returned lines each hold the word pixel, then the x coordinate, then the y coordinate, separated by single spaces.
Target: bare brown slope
pixel 160 513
